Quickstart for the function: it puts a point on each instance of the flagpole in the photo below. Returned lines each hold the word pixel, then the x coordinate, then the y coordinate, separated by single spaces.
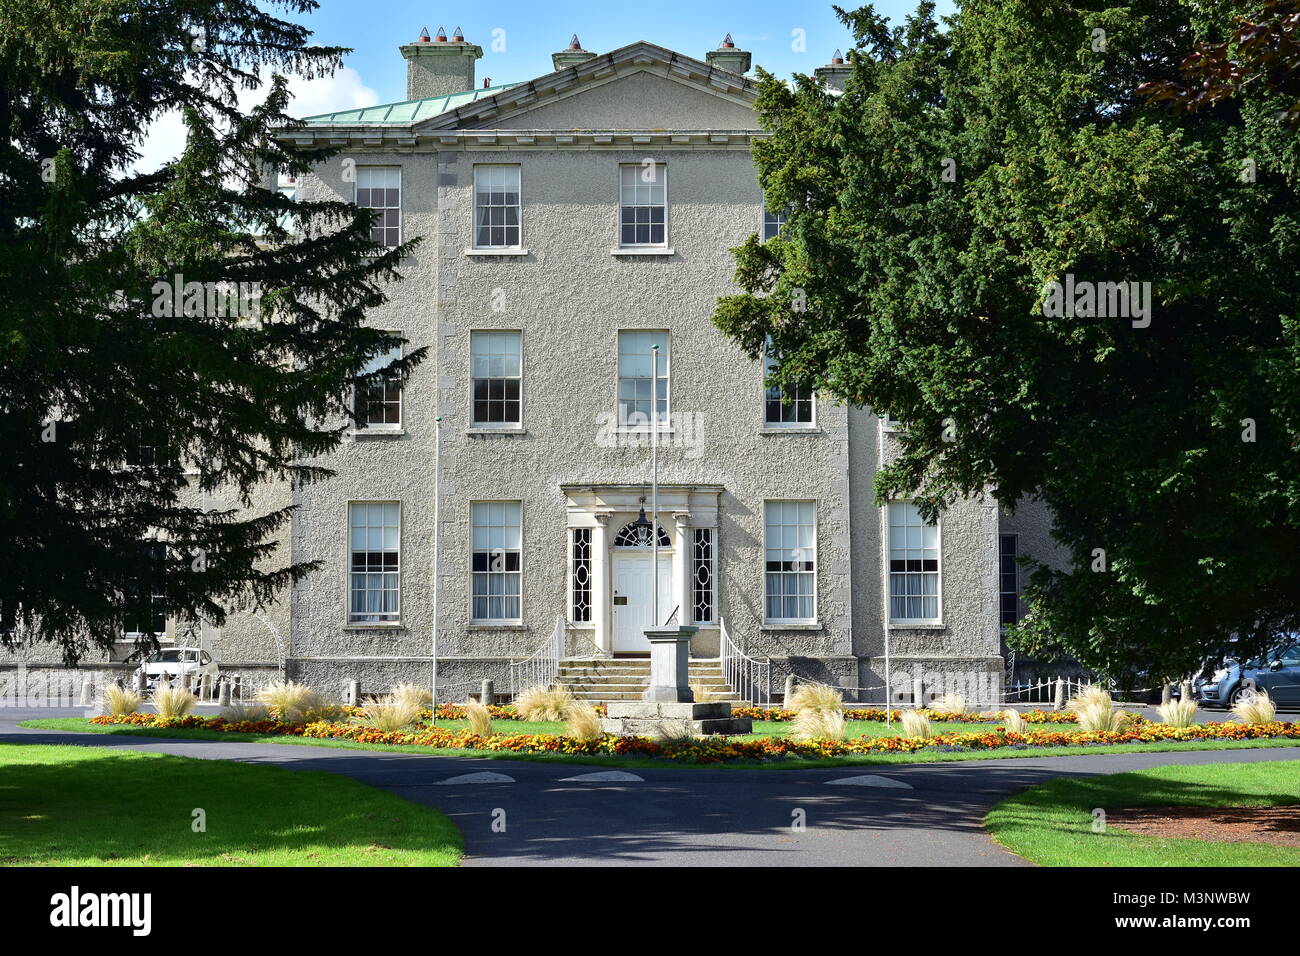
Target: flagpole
pixel 654 488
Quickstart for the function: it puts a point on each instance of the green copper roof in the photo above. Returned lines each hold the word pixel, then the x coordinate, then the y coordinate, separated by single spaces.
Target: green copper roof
pixel 406 113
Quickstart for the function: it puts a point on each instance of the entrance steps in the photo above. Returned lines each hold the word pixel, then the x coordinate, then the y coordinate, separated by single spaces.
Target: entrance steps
pixel 600 680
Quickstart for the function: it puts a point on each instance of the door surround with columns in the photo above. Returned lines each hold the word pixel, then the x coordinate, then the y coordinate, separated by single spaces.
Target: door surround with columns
pixel 605 509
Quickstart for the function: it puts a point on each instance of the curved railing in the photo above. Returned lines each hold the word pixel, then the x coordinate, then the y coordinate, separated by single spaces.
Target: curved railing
pixel 540 669
pixel 749 677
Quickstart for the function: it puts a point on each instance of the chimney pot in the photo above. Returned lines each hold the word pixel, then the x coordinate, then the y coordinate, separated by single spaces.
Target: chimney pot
pixel 457 36
pixel 442 35
pixel 424 34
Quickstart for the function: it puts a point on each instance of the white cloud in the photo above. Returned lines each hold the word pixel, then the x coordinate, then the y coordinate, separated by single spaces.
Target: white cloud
pixel 164 139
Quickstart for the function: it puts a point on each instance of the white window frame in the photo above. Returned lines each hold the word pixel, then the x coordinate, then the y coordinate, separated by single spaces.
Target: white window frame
pixel 778 219
pixel 665 373
pixel 816 562
pixel 938 572
pixel 153 598
pixel 360 620
pixel 474 423
pixel 661 169
pixel 712 534
pixel 519 574
pixel 768 363
pixel 357 187
pixel 365 428
pixel 518 206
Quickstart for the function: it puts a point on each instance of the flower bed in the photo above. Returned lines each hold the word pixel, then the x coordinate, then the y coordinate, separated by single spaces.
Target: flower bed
pixel 721 749
pixel 877 713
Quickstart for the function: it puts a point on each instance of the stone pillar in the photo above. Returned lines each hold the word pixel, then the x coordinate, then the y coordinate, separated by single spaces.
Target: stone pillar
pixel 352 693
pixel 670 665
pixel 223 693
pixel 789 692
pixel 682 567
pixel 486 693
pixel 600 606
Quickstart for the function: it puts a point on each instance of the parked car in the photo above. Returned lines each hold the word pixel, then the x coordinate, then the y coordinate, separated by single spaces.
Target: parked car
pixel 1277 672
pixel 170 664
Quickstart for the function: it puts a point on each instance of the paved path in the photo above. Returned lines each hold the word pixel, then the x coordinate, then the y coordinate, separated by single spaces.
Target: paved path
pixel 903 815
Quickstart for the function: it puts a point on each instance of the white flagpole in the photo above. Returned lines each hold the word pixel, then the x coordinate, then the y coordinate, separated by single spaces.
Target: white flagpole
pixel 654 490
pixel 437 528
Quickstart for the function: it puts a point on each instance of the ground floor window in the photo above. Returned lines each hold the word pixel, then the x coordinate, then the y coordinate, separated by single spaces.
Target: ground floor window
pixel 790 544
pixel 495 532
pixel 1008 579
pixel 913 565
pixel 375 561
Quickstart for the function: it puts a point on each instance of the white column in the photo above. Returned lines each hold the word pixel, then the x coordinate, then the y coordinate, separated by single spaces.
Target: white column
pixel 682 567
pixel 603 635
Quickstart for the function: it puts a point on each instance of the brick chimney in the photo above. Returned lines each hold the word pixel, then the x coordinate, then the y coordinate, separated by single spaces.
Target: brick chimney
pixel 727 57
pixel 835 73
pixel 572 56
pixel 437 66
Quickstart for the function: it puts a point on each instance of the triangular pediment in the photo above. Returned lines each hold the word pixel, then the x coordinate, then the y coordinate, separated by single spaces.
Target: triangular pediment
pixel 641 86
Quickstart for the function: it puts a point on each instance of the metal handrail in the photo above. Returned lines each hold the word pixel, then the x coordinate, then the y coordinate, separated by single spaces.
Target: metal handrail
pixel 747 676
pixel 542 666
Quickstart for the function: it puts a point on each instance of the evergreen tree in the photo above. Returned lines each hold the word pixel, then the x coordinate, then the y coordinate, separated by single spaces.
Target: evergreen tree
pixel 113 390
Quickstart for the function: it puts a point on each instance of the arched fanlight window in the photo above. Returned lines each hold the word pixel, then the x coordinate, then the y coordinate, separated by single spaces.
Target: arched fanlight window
pixel 637 534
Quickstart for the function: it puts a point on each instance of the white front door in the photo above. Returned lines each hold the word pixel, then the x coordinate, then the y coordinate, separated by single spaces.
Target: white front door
pixel 633 598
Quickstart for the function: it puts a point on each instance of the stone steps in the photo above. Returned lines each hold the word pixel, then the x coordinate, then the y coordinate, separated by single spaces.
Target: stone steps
pixel 601 680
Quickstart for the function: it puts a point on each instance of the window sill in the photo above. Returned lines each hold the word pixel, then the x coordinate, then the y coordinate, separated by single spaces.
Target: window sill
pixel 918 626
pixel 496 252
pixel 648 251
pixel 791 626
pixel 377 432
pixel 487 430
pixel 375 626
pixel 642 430
pixel 497 626
pixel 790 430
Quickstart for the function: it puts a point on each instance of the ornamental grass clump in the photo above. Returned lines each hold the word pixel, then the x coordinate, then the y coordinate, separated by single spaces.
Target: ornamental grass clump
pixel 581 721
pixel 1098 714
pixel 1091 696
pixel 950 704
pixel 390 713
pixel 915 724
pixel 819 724
pixel 288 701
pixel 1012 722
pixel 480 721
pixel 240 712
pixel 543 703
pixel 419 697
pixel 119 701
pixel 1178 713
pixel 174 702
pixel 1255 707
pixel 815 697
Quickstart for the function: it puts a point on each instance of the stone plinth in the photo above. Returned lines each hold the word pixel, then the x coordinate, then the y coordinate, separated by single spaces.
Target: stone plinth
pixel 670 664
pixel 646 718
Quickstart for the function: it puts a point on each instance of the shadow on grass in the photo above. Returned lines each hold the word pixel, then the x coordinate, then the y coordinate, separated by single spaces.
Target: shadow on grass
pixel 93 806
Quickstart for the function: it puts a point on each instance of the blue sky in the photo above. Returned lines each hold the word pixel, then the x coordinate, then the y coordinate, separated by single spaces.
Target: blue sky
pixel 536 28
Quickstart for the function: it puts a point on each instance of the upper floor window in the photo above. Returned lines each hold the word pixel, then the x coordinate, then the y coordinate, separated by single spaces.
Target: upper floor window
pixel 786 407
pixel 790 547
pixel 379 401
pixel 497 209
pixel 913 565
pixel 380 188
pixel 643 205
pixel 495 368
pixel 375 576
pixel 772 223
pixel 495 533
pixel 638 389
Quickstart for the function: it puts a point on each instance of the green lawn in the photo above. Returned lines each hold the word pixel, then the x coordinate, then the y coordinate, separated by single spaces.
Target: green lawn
pixel 81 725
pixel 1051 824
pixel 87 806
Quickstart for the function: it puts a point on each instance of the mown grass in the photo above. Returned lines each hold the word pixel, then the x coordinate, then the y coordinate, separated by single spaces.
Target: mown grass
pixel 81 725
pixel 1052 824
pixel 68 805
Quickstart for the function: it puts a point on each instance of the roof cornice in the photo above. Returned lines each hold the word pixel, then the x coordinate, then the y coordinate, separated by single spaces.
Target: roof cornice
pixel 397 140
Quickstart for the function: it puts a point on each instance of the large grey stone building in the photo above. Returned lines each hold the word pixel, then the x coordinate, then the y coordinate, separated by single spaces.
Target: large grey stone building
pixel 570 225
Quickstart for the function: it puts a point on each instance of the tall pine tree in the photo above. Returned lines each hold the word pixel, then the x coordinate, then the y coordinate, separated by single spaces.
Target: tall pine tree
pixel 115 398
